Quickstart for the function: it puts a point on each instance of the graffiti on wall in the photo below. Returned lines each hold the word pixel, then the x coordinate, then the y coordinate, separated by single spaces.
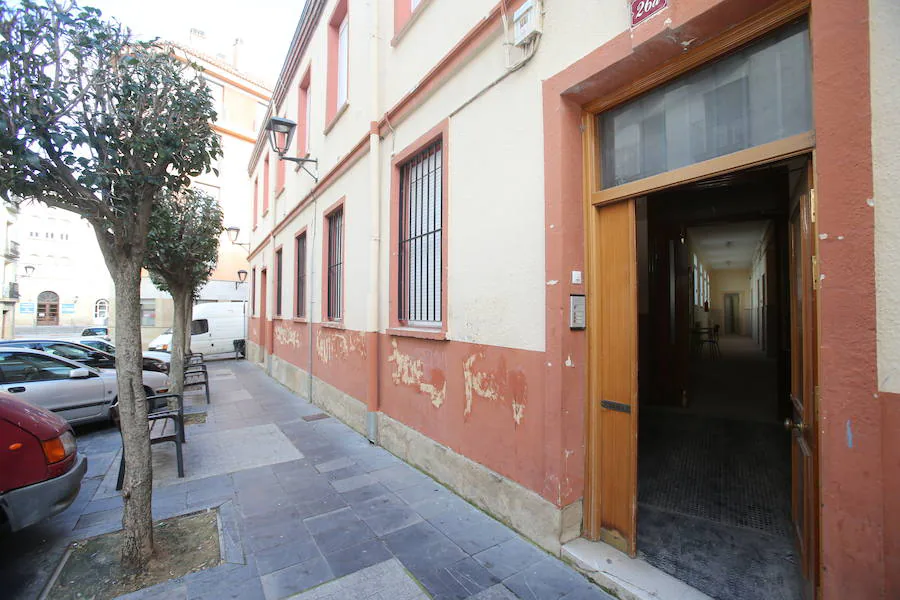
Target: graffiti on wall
pixel 498 385
pixel 410 371
pixel 335 344
pixel 286 336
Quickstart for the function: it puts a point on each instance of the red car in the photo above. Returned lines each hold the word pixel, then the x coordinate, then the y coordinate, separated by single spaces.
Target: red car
pixel 40 467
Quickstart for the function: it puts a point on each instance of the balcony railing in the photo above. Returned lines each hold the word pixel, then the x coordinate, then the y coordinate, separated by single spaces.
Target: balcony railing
pixel 12 251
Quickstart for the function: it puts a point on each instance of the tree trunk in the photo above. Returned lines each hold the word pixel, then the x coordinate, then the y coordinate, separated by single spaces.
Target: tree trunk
pixel 137 520
pixel 176 366
pixel 188 314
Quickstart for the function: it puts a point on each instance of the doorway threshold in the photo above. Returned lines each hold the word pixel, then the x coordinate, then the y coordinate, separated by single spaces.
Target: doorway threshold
pixel 625 577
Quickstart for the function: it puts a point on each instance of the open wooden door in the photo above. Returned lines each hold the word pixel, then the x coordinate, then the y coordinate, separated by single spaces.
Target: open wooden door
pixel 611 491
pixel 802 425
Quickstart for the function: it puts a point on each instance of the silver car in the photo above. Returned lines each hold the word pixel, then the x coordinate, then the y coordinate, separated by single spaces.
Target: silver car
pixel 75 392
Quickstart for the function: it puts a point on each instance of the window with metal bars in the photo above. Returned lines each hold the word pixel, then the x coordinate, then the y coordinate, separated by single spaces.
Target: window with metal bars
pixel 421 249
pixel 300 309
pixel 278 279
pixel 335 308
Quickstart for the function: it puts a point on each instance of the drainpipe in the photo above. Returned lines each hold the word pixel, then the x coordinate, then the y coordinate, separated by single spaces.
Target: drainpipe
pixel 373 352
pixel 309 292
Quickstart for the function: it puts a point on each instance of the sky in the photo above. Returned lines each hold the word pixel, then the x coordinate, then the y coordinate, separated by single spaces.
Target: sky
pixel 266 27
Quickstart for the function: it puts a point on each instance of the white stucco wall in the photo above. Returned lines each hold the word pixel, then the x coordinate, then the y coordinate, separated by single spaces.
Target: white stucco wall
pixel 884 23
pixel 495 228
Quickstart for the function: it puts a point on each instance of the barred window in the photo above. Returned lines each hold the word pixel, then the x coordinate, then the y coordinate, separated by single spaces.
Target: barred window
pixel 278 279
pixel 336 265
pixel 421 249
pixel 300 309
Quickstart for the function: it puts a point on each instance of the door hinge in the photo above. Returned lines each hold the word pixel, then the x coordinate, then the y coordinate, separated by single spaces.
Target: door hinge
pixel 813 205
pixel 815 272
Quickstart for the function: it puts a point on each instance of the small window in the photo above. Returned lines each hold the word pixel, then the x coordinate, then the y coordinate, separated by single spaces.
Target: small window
pixel 255 201
pixel 336 265
pixel 148 313
pixel 278 278
pixel 101 309
pixel 217 91
pixel 421 260
pixel 343 61
pixel 304 112
pixel 265 202
pixel 300 308
pixel 199 326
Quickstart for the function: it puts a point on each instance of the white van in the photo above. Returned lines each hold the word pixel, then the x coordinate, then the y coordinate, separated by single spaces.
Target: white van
pixel 214 328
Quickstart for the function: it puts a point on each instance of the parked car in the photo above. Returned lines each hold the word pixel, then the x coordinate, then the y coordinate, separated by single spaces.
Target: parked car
pixel 84 353
pixel 40 467
pixel 76 392
pixel 214 328
pixel 153 361
pixel 101 332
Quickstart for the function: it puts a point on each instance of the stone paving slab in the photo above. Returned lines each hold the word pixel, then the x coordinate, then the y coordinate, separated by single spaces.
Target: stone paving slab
pixel 215 453
pixel 387 579
pixel 307 509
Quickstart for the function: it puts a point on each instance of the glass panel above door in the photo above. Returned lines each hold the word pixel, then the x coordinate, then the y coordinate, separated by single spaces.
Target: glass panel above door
pixel 759 94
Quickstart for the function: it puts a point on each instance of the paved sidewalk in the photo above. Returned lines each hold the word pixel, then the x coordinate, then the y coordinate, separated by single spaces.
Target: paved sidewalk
pixel 308 509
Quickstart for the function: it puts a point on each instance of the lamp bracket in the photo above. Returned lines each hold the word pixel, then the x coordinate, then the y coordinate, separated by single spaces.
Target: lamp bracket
pixel 303 162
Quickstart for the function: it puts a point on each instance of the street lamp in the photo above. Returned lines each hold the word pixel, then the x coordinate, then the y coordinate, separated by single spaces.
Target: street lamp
pixel 233 232
pixel 281 132
pixel 242 277
pixel 29 269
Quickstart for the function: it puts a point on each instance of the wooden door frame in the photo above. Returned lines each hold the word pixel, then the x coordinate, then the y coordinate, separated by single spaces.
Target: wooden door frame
pixel 595 197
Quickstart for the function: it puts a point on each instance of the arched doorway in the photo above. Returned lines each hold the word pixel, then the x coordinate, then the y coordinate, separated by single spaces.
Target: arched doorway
pixel 48 308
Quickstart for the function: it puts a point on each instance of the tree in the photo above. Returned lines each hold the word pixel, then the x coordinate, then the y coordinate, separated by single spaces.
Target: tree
pixel 182 249
pixel 98 124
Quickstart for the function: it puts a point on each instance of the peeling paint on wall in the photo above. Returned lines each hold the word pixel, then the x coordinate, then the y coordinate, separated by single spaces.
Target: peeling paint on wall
pixel 410 372
pixel 287 336
pixel 338 345
pixel 498 385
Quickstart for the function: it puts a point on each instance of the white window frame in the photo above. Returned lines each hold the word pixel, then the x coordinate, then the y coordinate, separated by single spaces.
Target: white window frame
pixel 343 61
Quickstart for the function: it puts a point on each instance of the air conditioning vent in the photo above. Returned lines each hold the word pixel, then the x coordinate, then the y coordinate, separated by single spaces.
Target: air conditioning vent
pixel 527 22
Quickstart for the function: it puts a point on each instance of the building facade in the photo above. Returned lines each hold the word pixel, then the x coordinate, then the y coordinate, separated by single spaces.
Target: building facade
pixel 63 279
pixel 485 271
pixel 240 103
pixel 68 285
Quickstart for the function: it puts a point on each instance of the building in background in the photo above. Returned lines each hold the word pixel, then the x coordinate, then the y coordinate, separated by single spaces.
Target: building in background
pixel 240 103
pixel 67 285
pixel 490 277
pixel 9 287
pixel 64 284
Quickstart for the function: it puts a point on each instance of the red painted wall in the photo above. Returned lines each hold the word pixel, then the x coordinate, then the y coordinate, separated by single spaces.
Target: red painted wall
pixel 484 402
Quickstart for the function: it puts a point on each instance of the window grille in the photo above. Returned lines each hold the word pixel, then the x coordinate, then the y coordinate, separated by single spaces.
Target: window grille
pixel 421 249
pixel 300 309
pixel 336 265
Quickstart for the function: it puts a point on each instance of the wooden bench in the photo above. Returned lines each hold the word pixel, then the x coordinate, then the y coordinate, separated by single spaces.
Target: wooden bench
pixel 166 424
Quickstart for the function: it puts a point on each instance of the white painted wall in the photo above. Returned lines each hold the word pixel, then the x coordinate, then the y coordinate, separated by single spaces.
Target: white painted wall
pixel 495 227
pixel 884 23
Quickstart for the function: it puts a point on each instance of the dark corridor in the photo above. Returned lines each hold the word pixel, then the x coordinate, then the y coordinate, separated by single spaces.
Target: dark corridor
pixel 714 478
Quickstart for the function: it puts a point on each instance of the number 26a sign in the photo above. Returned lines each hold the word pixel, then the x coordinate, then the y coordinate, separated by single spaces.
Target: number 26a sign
pixel 641 10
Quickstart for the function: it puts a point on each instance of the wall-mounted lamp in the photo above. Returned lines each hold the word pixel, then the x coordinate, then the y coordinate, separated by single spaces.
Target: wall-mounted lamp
pixel 233 232
pixel 281 132
pixel 242 277
pixel 29 269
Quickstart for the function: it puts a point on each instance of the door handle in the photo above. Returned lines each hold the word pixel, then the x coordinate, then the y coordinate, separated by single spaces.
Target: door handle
pixel 15 390
pixel 791 425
